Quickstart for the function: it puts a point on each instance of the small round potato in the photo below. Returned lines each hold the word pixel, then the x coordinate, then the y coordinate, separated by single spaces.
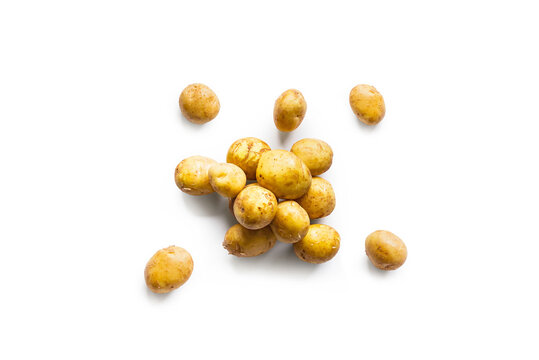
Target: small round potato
pixel 385 250
pixel 227 179
pixel 368 104
pixel 168 269
pixel 191 175
pixel 199 104
pixel 284 174
pixel 255 207
pixel 321 244
pixel 316 154
pixel 291 222
pixel 289 110
pixel 319 201
pixel 246 153
pixel 243 242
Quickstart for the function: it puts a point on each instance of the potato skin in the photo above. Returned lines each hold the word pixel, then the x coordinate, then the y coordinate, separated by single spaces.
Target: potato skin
pixel 321 244
pixel 385 250
pixel 284 174
pixel 168 269
pixel 191 175
pixel 242 242
pixel 316 154
pixel 246 153
pixel 319 201
pixel 289 110
pixel 199 104
pixel 255 207
pixel 368 104
pixel 291 222
pixel 227 179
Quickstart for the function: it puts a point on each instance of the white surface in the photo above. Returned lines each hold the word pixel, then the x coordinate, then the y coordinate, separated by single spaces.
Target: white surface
pixel 91 132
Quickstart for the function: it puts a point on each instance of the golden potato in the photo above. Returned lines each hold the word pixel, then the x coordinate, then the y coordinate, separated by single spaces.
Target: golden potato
pixel 319 201
pixel 243 242
pixel 316 154
pixel 168 269
pixel 291 222
pixel 321 244
pixel 385 250
pixel 289 110
pixel 191 175
pixel 284 174
pixel 255 207
pixel 227 179
pixel 368 104
pixel 199 104
pixel 246 153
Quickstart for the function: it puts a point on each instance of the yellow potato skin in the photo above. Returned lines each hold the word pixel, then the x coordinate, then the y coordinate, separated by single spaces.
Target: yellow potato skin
pixel 321 244
pixel 243 242
pixel 289 110
pixel 168 269
pixel 255 207
pixel 199 104
pixel 284 174
pixel 385 250
pixel 291 222
pixel 316 154
pixel 191 175
pixel 319 201
pixel 246 153
pixel 227 179
pixel 368 104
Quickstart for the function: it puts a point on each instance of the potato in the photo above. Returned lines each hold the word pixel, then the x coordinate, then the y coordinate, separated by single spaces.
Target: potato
pixel 227 179
pixel 284 174
pixel 289 110
pixel 319 201
pixel 255 207
pixel 246 153
pixel 243 242
pixel 316 154
pixel 168 269
pixel 321 244
pixel 199 104
pixel 368 104
pixel 291 222
pixel 191 175
pixel 385 250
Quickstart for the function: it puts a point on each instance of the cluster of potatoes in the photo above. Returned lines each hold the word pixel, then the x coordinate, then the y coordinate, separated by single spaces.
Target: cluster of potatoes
pixel 285 193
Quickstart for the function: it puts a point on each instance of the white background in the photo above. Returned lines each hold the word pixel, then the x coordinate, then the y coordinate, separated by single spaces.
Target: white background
pixel 91 133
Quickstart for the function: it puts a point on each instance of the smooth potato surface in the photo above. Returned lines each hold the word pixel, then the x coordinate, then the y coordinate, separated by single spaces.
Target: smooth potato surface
pixel 227 179
pixel 240 241
pixel 199 104
pixel 368 104
pixel 291 222
pixel 319 201
pixel 168 269
pixel 385 250
pixel 255 207
pixel 289 110
pixel 316 154
pixel 284 174
pixel 321 244
pixel 246 153
pixel 191 175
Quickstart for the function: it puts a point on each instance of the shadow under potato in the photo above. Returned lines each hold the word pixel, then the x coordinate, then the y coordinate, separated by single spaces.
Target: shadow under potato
pixel 373 270
pixel 205 205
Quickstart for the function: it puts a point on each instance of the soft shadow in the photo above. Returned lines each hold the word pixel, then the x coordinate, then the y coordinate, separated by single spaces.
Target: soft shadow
pixel 205 205
pixel 156 298
pixel 187 124
pixel 284 136
pixel 374 271
pixel 369 128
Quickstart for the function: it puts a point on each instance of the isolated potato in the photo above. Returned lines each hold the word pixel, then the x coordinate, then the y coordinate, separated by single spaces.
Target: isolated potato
pixel 289 110
pixel 319 201
pixel 316 154
pixel 291 222
pixel 385 250
pixel 243 242
pixel 168 269
pixel 283 173
pixel 191 175
pixel 246 153
pixel 255 207
pixel 321 244
pixel 199 104
pixel 368 104
pixel 227 179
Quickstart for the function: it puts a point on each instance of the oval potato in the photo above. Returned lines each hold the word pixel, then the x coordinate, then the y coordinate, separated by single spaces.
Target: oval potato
pixel 191 175
pixel 291 222
pixel 385 250
pixel 255 207
pixel 227 179
pixel 321 244
pixel 246 153
pixel 319 201
pixel 168 269
pixel 243 242
pixel 199 104
pixel 316 154
pixel 289 110
pixel 368 104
